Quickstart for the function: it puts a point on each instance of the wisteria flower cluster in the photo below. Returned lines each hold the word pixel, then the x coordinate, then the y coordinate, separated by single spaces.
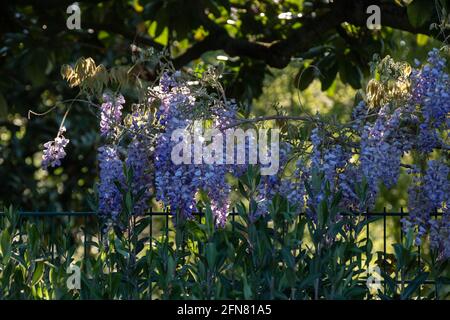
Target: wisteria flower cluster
pixel 111 174
pixel 178 185
pixel 406 111
pixel 123 168
pixel 54 150
pixel 414 120
pixel 430 194
pixel 111 113
pixel 291 187
pixel 403 118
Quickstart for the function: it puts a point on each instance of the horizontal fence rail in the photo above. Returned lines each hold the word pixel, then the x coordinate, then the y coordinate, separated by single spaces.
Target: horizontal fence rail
pixel 168 213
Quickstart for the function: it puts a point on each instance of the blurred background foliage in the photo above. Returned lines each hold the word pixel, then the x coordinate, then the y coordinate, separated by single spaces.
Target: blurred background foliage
pixel 264 45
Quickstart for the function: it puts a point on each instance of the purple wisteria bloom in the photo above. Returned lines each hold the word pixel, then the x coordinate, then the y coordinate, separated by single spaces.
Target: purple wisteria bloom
pixel 430 89
pixel 177 184
pixel 138 160
pixel 290 187
pixel 428 194
pixel 382 147
pixel 111 113
pixel 111 173
pixel 437 191
pixel 341 174
pixel 54 150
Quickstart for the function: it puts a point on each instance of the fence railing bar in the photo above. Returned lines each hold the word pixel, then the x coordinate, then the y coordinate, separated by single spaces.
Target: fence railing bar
pixel 53 213
pixel 399 282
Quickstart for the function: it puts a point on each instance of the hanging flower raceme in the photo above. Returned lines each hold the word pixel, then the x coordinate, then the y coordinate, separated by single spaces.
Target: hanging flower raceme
pixel 429 194
pixel 414 120
pixel 178 184
pixel 291 187
pixel 111 113
pixel 334 161
pixel 430 90
pixel 138 161
pixel 382 148
pixel 54 150
pixel 437 190
pixel 111 176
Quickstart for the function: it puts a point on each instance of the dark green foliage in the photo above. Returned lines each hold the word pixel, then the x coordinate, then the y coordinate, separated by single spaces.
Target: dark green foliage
pixel 283 255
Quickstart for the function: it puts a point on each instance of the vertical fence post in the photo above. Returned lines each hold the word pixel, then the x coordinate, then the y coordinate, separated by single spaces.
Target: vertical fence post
pixel 401 228
pixel 419 262
pixel 436 286
pixel 150 281
pixel 167 223
pixel 367 240
pixel 85 247
pixel 233 219
pixel 384 246
pixel 52 241
pixel 200 244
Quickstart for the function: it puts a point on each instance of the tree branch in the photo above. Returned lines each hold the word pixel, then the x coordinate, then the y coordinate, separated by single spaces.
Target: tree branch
pixel 313 30
pixel 267 118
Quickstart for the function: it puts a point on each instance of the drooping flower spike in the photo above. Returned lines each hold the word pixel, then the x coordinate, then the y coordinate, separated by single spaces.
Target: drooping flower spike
pixel 54 150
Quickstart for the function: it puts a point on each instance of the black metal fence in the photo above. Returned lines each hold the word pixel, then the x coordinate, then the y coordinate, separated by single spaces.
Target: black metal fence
pixel 377 221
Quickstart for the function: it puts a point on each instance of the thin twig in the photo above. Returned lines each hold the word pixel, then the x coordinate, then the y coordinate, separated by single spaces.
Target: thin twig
pixel 267 118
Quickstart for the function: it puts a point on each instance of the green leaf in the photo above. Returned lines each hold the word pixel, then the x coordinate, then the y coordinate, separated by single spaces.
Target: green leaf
pixel 5 245
pixel 288 258
pixel 422 40
pixel 129 202
pixel 247 289
pixel 323 213
pixel 328 77
pixel 209 221
pixel 137 6
pixel 414 285
pixel 38 273
pixel 351 74
pixel 195 230
pixel 242 189
pixel 420 12
pixel 304 78
pixel 171 265
pixel 159 32
pixel 328 67
pixel 211 254
pixel 120 248
pixel 398 248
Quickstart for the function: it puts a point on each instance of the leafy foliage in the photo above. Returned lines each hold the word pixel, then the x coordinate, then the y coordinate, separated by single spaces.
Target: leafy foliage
pixel 277 256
